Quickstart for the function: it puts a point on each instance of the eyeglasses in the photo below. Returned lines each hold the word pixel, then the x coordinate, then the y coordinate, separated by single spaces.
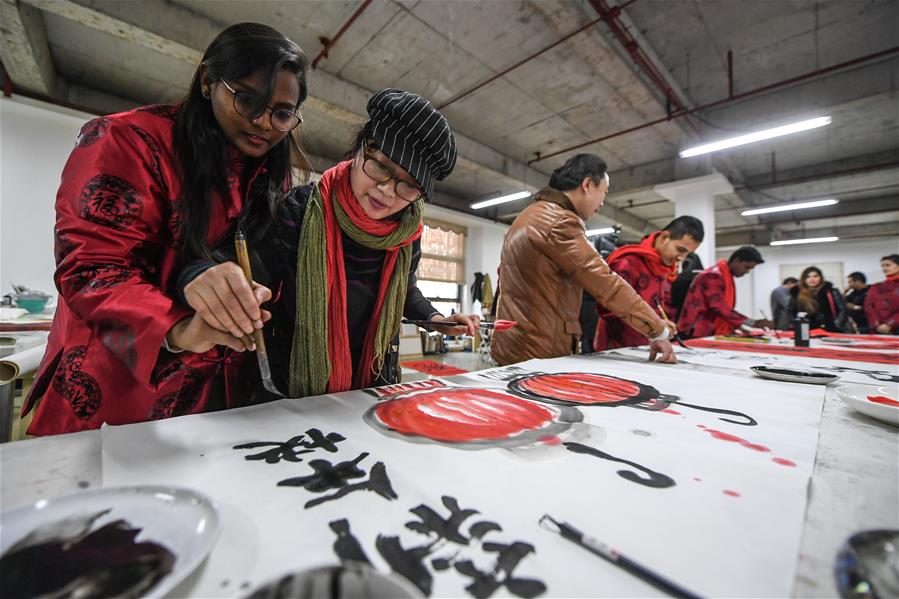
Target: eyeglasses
pixel 248 104
pixel 381 173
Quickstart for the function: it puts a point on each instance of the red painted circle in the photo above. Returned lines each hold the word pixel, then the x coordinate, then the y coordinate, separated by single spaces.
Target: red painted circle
pixel 459 415
pixel 580 388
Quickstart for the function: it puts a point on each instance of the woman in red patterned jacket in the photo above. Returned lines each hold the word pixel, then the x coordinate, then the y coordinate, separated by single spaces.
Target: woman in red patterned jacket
pixel 882 301
pixel 143 192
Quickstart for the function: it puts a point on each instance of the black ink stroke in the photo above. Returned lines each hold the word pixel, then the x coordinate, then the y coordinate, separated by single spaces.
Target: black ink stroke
pixel 653 479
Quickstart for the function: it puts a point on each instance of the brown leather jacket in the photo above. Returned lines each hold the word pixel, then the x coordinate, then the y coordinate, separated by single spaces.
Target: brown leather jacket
pixel 546 265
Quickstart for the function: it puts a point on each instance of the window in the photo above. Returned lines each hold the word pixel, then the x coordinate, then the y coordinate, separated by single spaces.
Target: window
pixel 441 271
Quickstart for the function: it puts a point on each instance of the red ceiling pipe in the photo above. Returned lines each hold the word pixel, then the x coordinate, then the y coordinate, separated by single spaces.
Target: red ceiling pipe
pixel 470 91
pixel 330 43
pixel 736 98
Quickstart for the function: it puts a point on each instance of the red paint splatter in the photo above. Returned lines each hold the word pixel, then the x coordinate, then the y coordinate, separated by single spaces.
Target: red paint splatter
pixel 735 439
pixel 883 400
pixel 433 368
pixel 670 411
pixel 457 414
pixel 697 479
pixel 582 388
pixel 731 493
pixel 784 462
pixel 550 440
pixel 503 325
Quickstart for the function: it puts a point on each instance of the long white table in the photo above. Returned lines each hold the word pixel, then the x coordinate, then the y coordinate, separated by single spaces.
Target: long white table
pixel 854 485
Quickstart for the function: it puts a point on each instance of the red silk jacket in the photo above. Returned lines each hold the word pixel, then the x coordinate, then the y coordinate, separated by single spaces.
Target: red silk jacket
pixel 705 303
pixel 882 305
pixel 611 331
pixel 117 213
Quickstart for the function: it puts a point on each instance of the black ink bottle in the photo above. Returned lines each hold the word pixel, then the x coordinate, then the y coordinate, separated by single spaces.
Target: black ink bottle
pixel 800 330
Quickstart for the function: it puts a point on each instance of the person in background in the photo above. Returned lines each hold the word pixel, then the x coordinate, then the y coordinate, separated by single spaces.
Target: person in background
pixel 605 245
pixel 780 304
pixel 691 266
pixel 882 302
pixel 143 192
pixel 649 267
pixel 343 254
pixel 546 264
pixel 709 306
pixel 855 293
pixel 823 304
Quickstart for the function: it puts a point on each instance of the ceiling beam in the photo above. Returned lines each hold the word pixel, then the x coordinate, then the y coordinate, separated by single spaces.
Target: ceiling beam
pixel 24 49
pixel 876 230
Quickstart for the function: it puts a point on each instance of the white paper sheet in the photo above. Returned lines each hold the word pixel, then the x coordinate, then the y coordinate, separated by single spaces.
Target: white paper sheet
pixel 712 543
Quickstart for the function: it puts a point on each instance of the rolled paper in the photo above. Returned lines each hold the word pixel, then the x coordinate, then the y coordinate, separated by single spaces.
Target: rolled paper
pixel 12 367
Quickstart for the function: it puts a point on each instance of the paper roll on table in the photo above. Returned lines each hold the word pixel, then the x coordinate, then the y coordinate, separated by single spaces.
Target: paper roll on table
pixel 11 367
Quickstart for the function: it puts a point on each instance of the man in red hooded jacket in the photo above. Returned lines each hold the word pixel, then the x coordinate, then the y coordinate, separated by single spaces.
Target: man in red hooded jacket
pixel 882 301
pixel 650 267
pixel 709 305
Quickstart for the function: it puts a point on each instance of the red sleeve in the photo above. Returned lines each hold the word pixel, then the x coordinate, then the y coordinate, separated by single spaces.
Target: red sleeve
pixel 111 214
pixel 714 296
pixel 627 269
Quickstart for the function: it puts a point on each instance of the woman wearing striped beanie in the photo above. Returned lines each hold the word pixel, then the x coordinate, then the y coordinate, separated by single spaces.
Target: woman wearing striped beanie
pixel 342 255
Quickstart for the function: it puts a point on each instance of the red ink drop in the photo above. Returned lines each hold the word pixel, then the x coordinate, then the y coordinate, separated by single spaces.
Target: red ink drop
pixel 550 440
pixel 731 493
pixel 735 439
pixel 784 462
pixel 582 388
pixel 697 479
pixel 670 411
pixel 886 401
pixel 457 414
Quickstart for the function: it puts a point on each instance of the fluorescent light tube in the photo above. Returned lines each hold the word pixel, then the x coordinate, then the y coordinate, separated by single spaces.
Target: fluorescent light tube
pixel 501 200
pixel 602 231
pixel 749 138
pixel 788 207
pixel 809 240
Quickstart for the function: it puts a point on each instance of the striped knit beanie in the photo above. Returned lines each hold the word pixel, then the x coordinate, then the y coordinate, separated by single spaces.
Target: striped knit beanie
pixel 413 134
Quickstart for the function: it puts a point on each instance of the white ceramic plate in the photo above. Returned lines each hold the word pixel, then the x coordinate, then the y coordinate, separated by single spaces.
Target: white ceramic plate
pixel 791 375
pixel 184 521
pixel 857 397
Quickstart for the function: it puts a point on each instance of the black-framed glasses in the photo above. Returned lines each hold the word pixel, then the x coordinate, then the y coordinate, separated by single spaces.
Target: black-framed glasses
pixel 380 173
pixel 249 104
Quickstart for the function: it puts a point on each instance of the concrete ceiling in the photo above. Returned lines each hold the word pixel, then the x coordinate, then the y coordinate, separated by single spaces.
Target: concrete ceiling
pixel 587 72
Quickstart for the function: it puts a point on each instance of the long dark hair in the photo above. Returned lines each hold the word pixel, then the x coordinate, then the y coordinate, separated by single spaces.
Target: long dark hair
pixel 201 148
pixel 807 299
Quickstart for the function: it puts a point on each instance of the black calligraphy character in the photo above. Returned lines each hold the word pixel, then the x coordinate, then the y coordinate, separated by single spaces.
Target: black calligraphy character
pixel 448 528
pixel 347 546
pixel 484 584
pixel 291 449
pixel 328 476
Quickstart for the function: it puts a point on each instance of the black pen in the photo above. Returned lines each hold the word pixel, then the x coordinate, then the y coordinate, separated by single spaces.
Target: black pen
pixel 608 553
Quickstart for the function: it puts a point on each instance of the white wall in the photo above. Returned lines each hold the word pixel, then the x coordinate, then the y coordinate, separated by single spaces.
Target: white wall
pixel 754 290
pixel 35 142
pixel 483 247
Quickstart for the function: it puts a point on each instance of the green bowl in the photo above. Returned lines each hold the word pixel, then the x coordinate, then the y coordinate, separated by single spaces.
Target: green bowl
pixel 33 305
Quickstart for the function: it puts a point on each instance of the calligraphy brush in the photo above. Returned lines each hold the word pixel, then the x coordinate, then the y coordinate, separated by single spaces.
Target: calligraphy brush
pixel 498 325
pixel 265 371
pixel 676 336
pixel 616 557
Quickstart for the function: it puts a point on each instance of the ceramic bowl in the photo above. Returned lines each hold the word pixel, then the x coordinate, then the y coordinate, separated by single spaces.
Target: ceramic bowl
pixel 34 305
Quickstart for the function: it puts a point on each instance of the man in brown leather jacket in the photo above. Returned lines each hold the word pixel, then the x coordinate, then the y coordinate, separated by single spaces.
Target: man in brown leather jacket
pixel 546 264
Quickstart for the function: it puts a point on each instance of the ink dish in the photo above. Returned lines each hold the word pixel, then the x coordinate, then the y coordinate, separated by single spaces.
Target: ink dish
pixel 881 403
pixel 794 376
pixel 122 541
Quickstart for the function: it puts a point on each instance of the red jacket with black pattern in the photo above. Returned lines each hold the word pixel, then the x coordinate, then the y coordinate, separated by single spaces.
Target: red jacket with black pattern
pixel 611 331
pixel 117 214
pixel 882 305
pixel 705 303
